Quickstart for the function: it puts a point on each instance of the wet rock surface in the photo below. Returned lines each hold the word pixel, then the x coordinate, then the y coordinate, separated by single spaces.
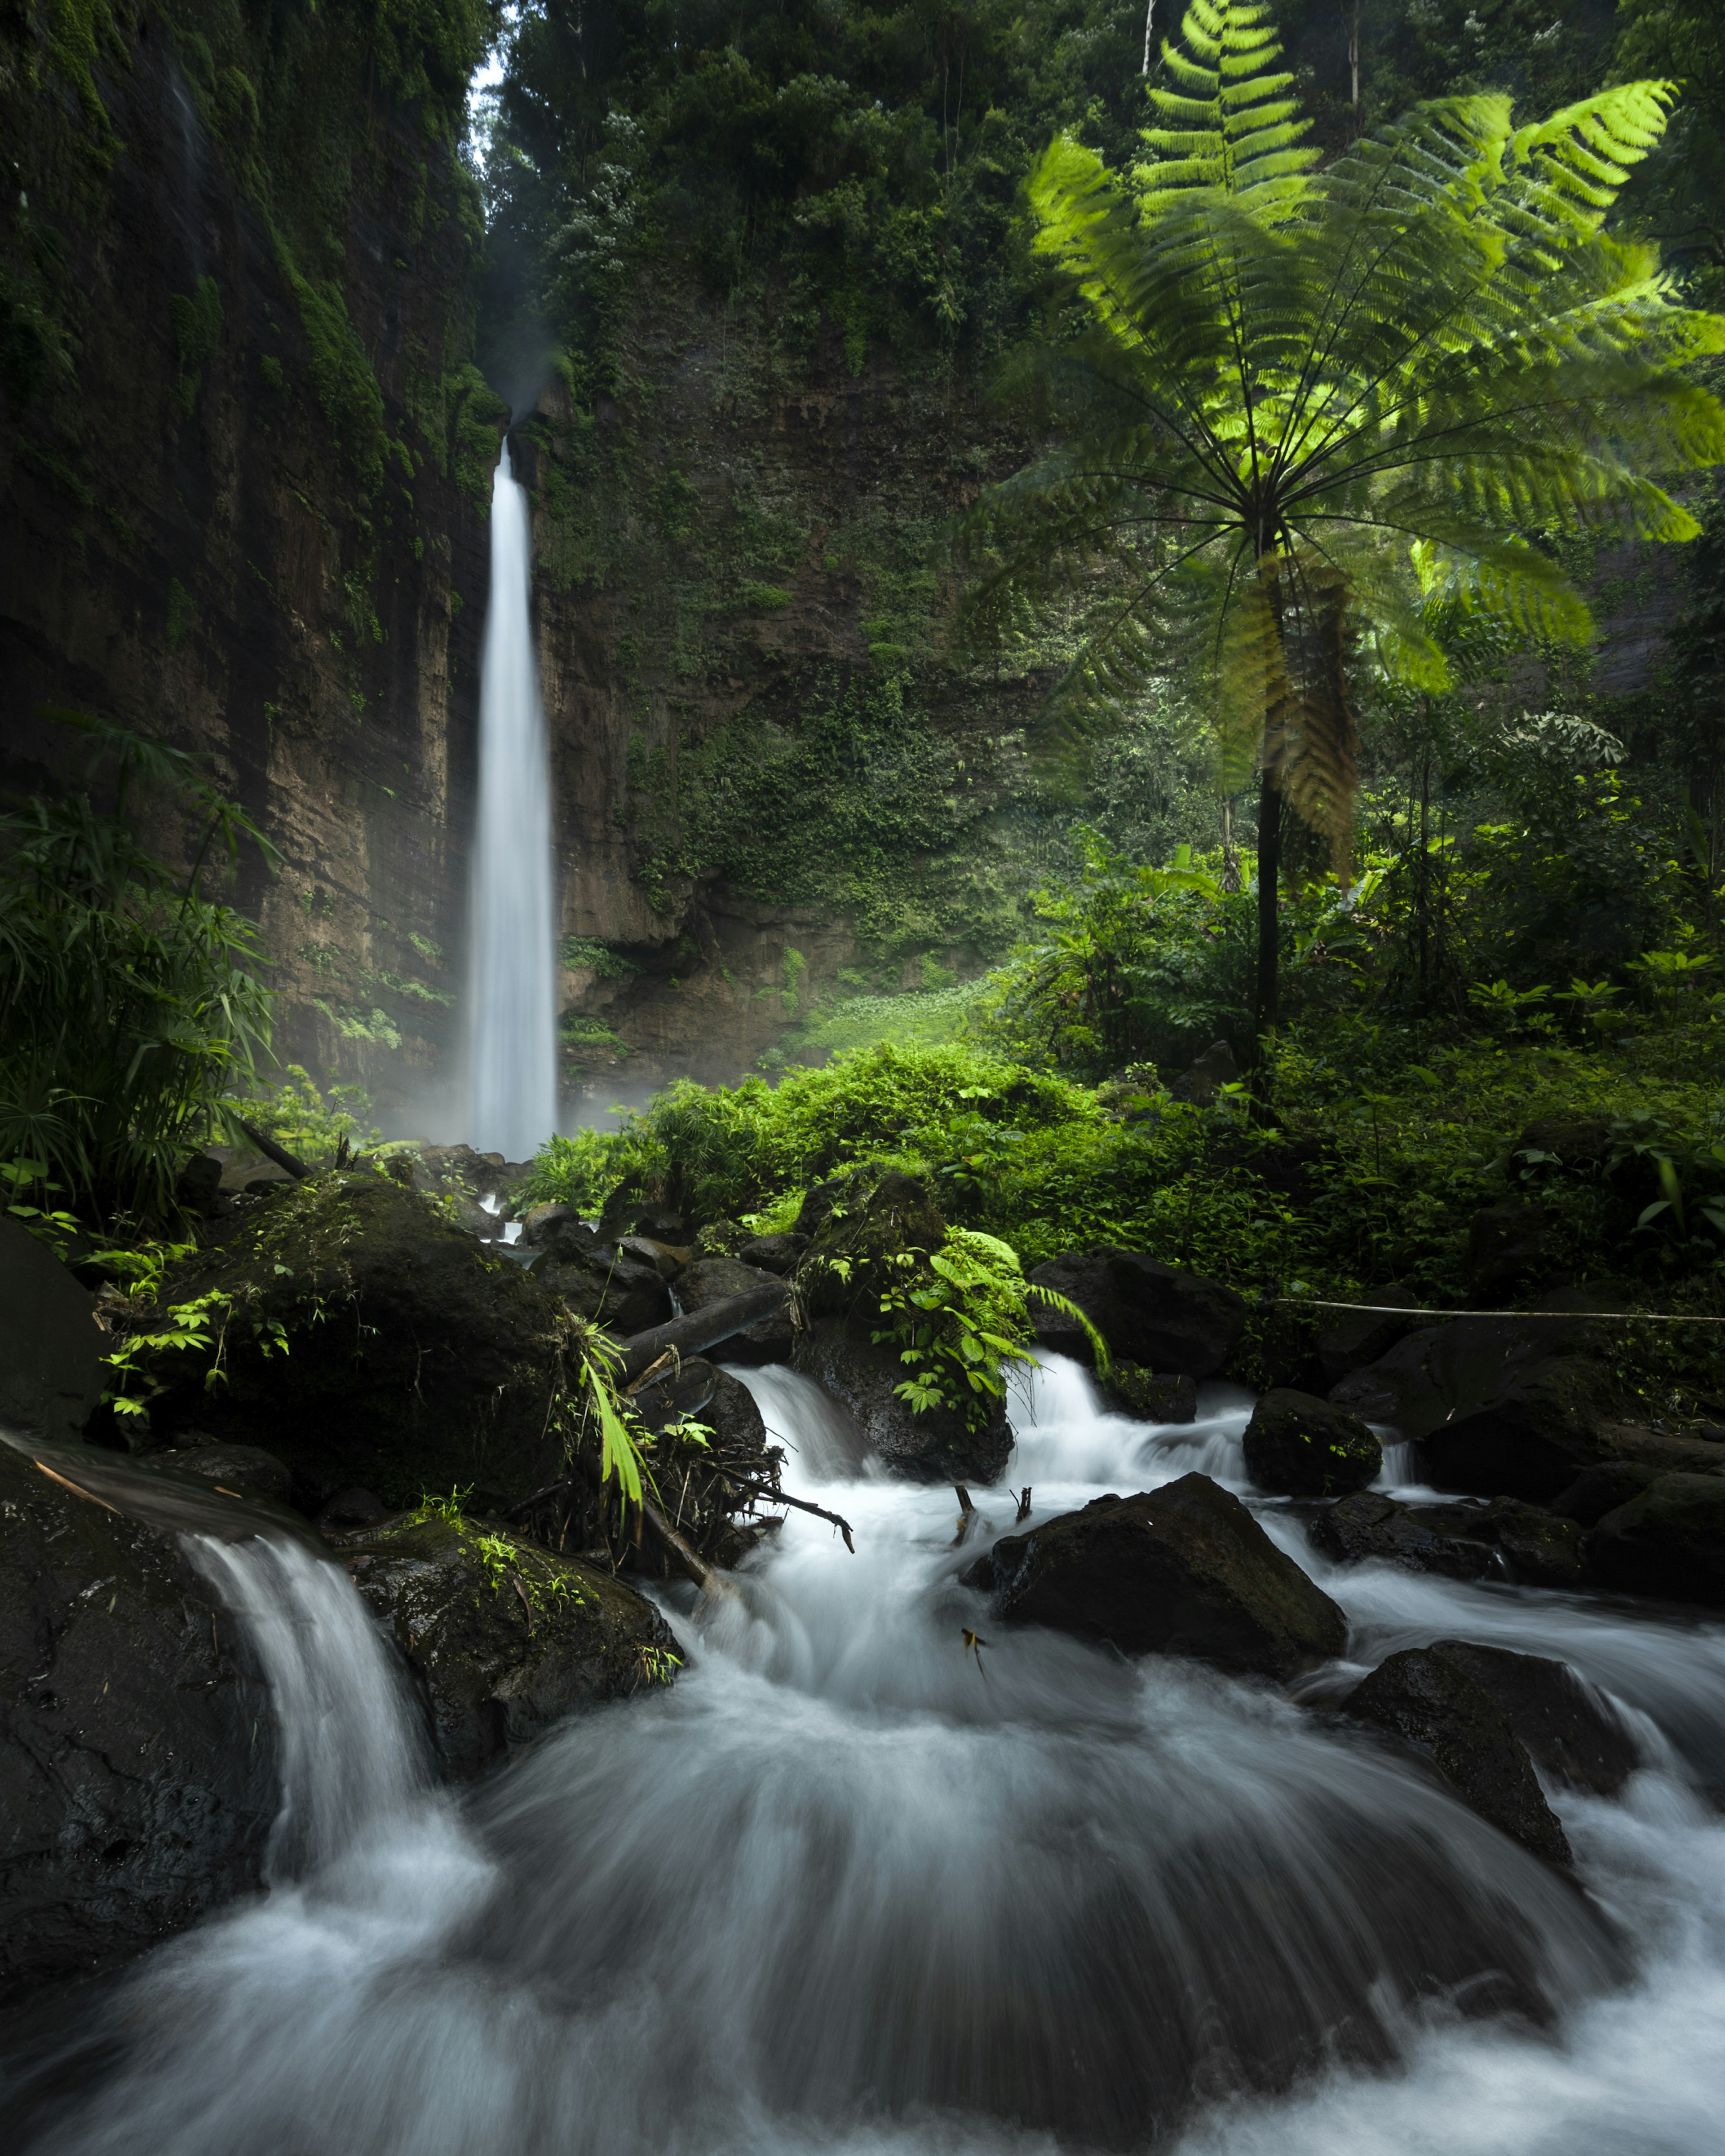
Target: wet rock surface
pixel 137 1742
pixel 938 1445
pixel 504 1637
pixel 50 1344
pixel 1148 1312
pixel 711 1280
pixel 1568 1730
pixel 1434 1704
pixel 1303 1447
pixel 1132 1391
pixel 416 1358
pixel 246 1468
pixel 1669 1541
pixel 774 1254
pixel 605 1282
pixel 1182 1570
pixel 1370 1525
pixel 1543 1548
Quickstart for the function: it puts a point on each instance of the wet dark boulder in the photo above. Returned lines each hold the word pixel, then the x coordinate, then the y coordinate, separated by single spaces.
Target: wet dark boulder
pixel 1358 1338
pixel 137 1752
pixel 1182 1570
pixel 774 1254
pixel 1150 1313
pixel 504 1637
pixel 1570 1730
pixel 50 1344
pixel 1543 1549
pixel 666 1259
pixel 416 1358
pixel 711 1280
pixel 1369 1525
pixel 1433 1704
pixel 246 1469
pixel 1669 1542
pixel 607 1283
pixel 1135 1391
pixel 1597 1490
pixel 863 1374
pixel 1303 1447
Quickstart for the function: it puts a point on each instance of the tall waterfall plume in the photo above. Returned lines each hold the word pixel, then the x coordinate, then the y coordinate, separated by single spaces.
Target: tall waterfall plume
pixel 512 1103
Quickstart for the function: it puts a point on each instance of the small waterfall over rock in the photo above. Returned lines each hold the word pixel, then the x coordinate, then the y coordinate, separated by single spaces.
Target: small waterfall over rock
pixel 512 1001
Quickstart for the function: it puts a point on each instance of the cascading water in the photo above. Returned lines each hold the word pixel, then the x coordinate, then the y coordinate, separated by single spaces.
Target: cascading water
pixel 512 1001
pixel 843 1889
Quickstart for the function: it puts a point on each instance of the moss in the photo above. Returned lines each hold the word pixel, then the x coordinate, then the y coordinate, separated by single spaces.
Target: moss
pixel 182 612
pixel 197 335
pixel 342 376
pixel 80 34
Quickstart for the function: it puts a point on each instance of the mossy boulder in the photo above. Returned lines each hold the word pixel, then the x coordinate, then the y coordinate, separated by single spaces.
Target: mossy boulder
pixel 1303 1447
pixel 411 1358
pixel 1137 1392
pixel 504 1637
pixel 1668 1541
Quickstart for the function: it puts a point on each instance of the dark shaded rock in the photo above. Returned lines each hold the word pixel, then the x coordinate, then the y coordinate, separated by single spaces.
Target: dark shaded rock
pixel 1440 1371
pixel 1508 1246
pixel 739 1432
pixel 198 1187
pixel 665 1259
pixel 246 1468
pixel 1435 1705
pixel 1669 1542
pixel 1303 1447
pixel 350 1509
pixel 711 1280
pixel 1136 1392
pixel 507 1638
pixel 1182 1570
pixel 1360 1336
pixel 774 1254
pixel 935 1446
pixel 693 1335
pixel 545 1225
pixel 1544 1550
pixel 607 1286
pixel 138 1757
pixel 867 1226
pixel 720 1238
pixel 1370 1525
pixel 1215 1068
pixel 1597 1490
pixel 418 1358
pixel 627 1212
pixel 677 1395
pixel 1147 1312
pixel 818 1202
pixel 1569 1731
pixel 50 1344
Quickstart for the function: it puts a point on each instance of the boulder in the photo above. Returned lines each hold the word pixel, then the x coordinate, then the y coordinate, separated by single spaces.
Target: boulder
pixel 349 1510
pixel 1147 1312
pixel 739 1432
pixel 678 1394
pixel 197 1187
pixel 1543 1548
pixel 666 1260
pixel 50 1345
pixel 1182 1570
pixel 818 1201
pixel 416 1358
pixel 1135 1391
pixel 711 1280
pixel 246 1468
pixel 1669 1541
pixel 1302 1447
pixel 506 1638
pixel 1569 1730
pixel 936 1446
pixel 720 1238
pixel 774 1254
pixel 138 1757
pixel 1360 1336
pixel 1597 1490
pixel 1435 1705
pixel 607 1284
pixel 1370 1525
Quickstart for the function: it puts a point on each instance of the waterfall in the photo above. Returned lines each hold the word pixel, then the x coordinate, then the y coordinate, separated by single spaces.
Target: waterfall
pixel 512 1103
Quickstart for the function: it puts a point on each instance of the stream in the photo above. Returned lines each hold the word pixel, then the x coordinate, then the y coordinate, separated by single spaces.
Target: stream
pixel 849 1886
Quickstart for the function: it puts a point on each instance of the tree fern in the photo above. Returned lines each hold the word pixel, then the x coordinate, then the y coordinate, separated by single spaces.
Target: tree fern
pixel 1309 402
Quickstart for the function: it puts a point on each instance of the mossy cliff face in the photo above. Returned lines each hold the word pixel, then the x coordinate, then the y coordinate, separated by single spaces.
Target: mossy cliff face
pixel 772 761
pixel 245 459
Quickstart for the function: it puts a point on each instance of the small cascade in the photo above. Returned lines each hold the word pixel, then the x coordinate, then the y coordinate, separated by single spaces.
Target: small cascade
pixel 512 1000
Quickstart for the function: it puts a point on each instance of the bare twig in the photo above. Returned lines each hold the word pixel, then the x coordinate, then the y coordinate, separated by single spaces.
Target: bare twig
pixel 711 1582
pixel 779 1497
pixel 271 1151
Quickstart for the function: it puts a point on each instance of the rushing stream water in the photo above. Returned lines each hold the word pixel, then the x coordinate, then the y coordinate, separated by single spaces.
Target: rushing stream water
pixel 844 1889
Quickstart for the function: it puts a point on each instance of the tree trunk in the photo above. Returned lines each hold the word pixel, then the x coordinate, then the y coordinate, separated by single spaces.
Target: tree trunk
pixel 1269 918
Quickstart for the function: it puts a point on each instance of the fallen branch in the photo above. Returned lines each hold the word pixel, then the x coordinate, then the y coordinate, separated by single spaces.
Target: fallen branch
pixel 270 1151
pixel 779 1497
pixel 706 1576
pixel 703 1329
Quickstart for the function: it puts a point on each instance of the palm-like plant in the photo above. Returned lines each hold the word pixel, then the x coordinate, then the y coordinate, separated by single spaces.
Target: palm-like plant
pixel 1307 404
